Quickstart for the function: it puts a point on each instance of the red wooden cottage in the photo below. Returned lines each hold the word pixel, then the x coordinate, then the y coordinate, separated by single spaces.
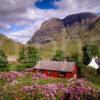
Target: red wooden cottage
pixel 57 68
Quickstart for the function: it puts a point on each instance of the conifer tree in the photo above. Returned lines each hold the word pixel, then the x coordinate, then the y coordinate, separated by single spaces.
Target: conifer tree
pixel 89 51
pixel 3 61
pixel 22 58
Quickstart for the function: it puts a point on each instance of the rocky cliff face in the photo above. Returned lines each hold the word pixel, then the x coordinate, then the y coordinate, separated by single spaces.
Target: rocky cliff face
pixel 73 25
pixel 79 19
pixel 47 31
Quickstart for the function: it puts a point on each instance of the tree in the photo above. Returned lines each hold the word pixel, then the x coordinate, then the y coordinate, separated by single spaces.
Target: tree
pixel 22 58
pixel 32 55
pixel 3 61
pixel 98 71
pixel 72 57
pixel 95 50
pixel 76 57
pixel 89 51
pixel 28 56
pixel 58 56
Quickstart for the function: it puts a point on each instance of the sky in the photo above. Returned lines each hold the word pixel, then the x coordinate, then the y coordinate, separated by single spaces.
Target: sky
pixel 19 19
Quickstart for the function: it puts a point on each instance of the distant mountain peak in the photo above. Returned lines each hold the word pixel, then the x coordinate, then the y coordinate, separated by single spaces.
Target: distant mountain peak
pixel 51 22
pixel 50 28
pixel 81 18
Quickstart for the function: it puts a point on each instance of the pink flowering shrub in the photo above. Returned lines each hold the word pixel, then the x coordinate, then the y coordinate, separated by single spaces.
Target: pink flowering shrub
pixel 36 89
pixel 10 76
pixel 50 91
pixel 76 89
pixel 80 89
pixel 39 75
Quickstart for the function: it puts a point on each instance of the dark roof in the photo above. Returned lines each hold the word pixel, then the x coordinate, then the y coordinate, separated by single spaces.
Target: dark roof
pixel 55 66
pixel 97 61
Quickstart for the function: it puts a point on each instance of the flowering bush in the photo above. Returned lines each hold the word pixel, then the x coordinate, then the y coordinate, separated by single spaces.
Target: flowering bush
pixel 76 89
pixel 80 89
pixel 10 76
pixel 50 91
pixel 54 89
pixel 39 75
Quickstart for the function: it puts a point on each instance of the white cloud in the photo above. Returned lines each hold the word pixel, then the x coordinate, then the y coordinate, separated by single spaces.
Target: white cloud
pixel 67 7
pixel 4 26
pixel 24 35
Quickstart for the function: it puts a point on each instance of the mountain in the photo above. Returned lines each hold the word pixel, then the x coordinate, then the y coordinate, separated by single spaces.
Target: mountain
pixel 69 33
pixel 10 47
pixel 54 26
pixel 47 30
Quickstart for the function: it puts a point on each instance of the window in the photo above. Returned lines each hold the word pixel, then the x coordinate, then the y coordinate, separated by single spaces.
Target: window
pixel 49 72
pixel 40 71
pixel 62 74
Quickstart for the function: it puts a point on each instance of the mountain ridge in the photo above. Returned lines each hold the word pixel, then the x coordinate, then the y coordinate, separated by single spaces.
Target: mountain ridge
pixel 50 27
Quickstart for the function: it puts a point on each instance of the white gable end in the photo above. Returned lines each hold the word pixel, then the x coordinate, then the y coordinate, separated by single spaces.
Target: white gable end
pixel 93 64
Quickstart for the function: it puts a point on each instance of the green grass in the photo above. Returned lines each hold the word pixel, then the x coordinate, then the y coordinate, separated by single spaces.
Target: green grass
pixel 71 46
pixel 2 82
pixel 27 80
pixel 51 80
pixel 13 67
pixel 17 67
pixel 97 85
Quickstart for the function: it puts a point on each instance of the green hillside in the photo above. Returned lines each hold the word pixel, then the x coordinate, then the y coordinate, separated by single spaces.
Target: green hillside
pixel 10 47
pixel 93 33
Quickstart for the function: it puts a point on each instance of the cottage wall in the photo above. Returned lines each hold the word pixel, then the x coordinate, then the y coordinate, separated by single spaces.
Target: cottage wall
pixel 55 74
pixel 51 73
pixel 72 74
pixel 69 75
pixel 75 70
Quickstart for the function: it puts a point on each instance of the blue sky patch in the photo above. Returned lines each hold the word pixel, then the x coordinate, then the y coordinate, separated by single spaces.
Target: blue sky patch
pixel 46 4
pixel 15 28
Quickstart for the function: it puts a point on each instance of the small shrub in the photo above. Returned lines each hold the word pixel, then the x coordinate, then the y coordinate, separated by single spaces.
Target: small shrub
pixel 89 71
pixel 91 74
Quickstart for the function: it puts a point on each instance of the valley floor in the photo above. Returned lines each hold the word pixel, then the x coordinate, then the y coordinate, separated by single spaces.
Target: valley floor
pixel 37 86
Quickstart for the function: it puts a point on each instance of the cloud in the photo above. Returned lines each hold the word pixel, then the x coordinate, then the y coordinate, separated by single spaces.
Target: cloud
pixel 4 26
pixel 25 12
pixel 13 11
pixel 24 35
pixel 67 7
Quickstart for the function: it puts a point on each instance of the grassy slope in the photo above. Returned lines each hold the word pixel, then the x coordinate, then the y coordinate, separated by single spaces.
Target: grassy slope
pixel 67 45
pixel 10 47
pixel 93 33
